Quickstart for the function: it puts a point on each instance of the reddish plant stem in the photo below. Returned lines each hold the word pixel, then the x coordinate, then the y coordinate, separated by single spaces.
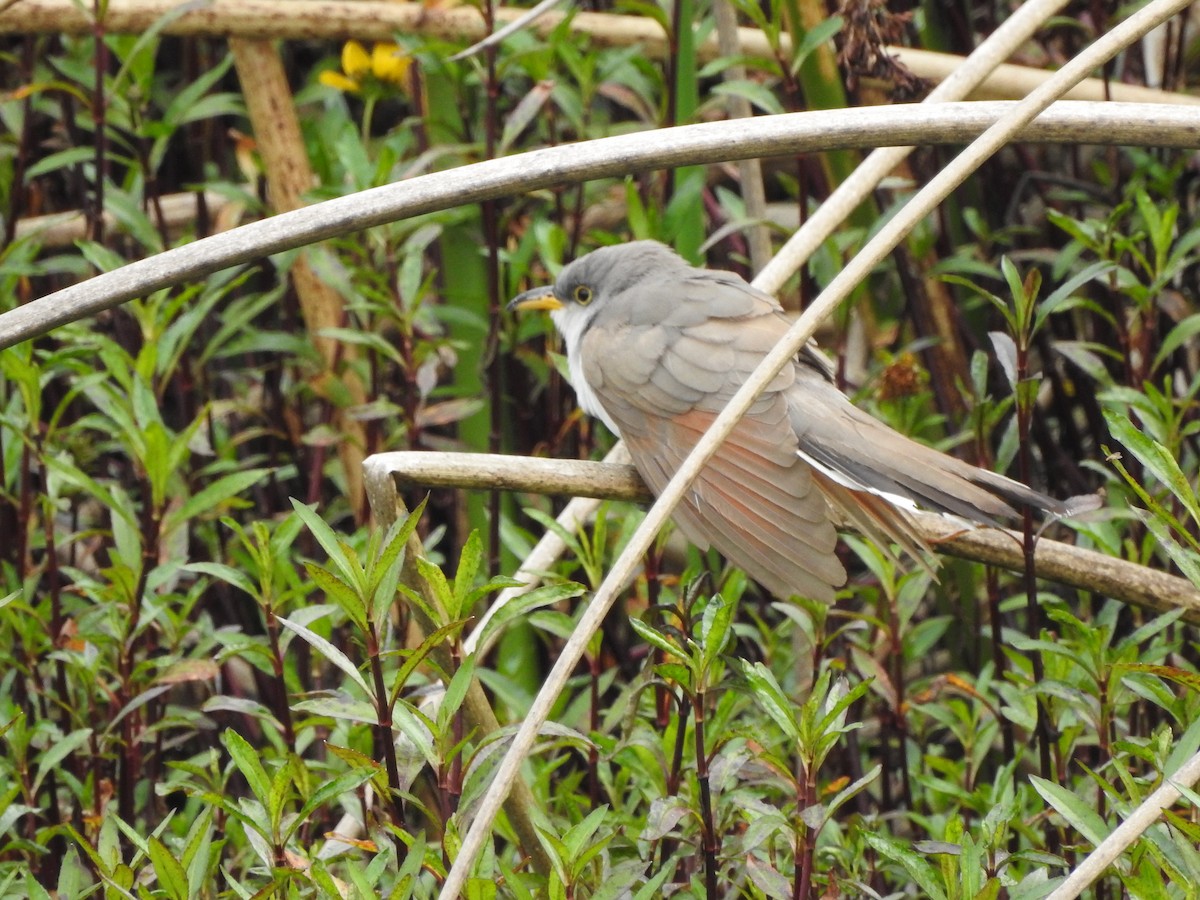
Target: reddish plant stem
pixel 806 853
pixel 708 824
pixel 99 116
pixel 283 709
pixel 1033 609
pixel 385 744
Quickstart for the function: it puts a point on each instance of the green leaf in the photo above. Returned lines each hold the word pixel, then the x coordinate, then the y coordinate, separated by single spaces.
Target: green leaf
pixel 340 593
pixel 683 222
pixel 834 713
pixel 770 696
pixel 417 727
pixel 64 466
pixel 653 637
pixel 1183 749
pixel 211 495
pixel 246 759
pixel 281 792
pixel 330 652
pixel 819 34
pixel 1155 457
pixel 676 672
pixel 1078 812
pixel 580 835
pixel 393 550
pixel 464 576
pixel 376 342
pixel 921 872
pixel 1089 357
pixel 436 579
pixel 338 554
pixel 72 156
pixel 1062 298
pixel 994 299
pixel 417 656
pixel 715 626
pixel 327 793
pixel 755 92
pixel 851 790
pixel 570 538
pixel 1187 560
pixel 1181 334
pixel 93 852
pixel 197 853
pixel 182 106
pixel 59 750
pixel 228 574
pixel 171 876
pixel 546 595
pixel 456 690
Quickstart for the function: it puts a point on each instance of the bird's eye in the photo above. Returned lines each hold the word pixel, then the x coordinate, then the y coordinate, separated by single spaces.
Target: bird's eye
pixel 582 294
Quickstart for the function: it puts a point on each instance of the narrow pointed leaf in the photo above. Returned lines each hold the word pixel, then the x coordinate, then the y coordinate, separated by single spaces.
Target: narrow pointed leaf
pixel 330 652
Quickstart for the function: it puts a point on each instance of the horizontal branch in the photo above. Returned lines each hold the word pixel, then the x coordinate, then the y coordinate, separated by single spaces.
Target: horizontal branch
pixel 710 142
pixel 533 475
pixel 178 211
pixel 1054 561
pixel 380 21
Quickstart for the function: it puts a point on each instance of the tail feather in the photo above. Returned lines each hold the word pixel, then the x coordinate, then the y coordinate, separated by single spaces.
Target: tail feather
pixel 875 518
pixel 861 453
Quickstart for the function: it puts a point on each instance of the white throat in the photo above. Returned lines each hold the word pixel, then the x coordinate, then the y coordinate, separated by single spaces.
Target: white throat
pixel 571 327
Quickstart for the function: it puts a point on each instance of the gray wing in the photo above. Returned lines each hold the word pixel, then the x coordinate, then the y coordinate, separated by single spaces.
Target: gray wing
pixel 663 385
pixel 862 454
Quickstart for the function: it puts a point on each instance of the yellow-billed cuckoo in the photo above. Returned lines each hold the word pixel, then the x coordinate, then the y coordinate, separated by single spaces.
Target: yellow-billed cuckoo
pixel 657 347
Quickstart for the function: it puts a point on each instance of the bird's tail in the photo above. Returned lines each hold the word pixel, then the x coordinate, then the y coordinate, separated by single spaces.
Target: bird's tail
pixel 860 453
pixel 877 519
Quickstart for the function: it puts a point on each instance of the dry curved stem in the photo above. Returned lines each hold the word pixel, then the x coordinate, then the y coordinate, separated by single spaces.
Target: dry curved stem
pixel 1054 561
pixel 496 37
pixel 179 213
pixel 839 288
pixel 380 20
pixel 1128 831
pixel 1009 81
pixel 949 123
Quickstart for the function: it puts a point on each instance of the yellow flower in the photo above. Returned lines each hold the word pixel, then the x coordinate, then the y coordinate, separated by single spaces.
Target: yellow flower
pixel 390 63
pixel 387 63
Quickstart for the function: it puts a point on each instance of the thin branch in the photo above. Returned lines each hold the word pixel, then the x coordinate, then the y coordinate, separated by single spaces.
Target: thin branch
pixel 492 472
pixel 1128 831
pixel 782 354
pixel 497 36
pixel 381 21
pixel 784 135
pixel 1055 561
pixel 63 229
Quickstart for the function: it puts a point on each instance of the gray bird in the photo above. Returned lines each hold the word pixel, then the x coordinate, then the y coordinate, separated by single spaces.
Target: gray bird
pixel 656 348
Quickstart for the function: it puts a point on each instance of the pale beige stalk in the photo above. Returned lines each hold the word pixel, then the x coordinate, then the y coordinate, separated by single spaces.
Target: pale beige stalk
pixel 876 249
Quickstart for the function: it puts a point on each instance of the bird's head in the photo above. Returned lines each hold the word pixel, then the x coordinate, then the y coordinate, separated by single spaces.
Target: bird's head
pixel 596 284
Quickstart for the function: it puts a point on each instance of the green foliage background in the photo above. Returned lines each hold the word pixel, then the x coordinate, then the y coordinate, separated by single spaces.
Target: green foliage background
pixel 212 681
